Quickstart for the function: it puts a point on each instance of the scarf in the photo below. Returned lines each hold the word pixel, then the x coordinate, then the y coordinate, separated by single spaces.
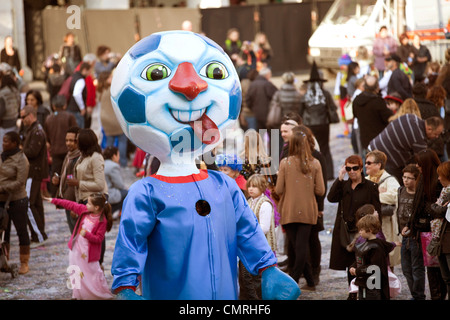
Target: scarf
pixel 69 157
pixel 9 153
pixel 376 177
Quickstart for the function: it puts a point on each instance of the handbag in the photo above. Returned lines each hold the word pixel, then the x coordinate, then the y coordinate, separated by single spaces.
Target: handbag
pixel 348 110
pixel 428 259
pixel 434 247
pixel 275 114
pixel 346 234
pixel 4 217
pixel 387 210
pixel 333 115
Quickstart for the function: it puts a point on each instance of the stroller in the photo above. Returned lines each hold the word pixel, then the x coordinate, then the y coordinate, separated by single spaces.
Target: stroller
pixel 5 266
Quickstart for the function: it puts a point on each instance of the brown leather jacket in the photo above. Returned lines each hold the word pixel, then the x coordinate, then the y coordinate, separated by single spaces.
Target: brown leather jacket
pixel 13 176
pixel 35 148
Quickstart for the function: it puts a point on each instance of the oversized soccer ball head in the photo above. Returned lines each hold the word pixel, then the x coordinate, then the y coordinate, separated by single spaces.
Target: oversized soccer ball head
pixel 174 94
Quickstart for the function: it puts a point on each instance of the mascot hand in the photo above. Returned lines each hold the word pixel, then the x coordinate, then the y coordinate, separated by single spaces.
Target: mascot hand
pixel 128 294
pixel 277 285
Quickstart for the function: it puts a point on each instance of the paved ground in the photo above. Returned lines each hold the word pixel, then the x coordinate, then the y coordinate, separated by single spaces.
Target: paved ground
pixel 48 264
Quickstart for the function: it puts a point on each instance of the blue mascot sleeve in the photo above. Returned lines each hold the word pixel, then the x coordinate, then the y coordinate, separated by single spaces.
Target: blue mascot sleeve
pixel 131 250
pixel 129 294
pixel 276 285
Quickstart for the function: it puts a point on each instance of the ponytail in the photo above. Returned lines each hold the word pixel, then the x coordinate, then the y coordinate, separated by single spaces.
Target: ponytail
pixel 99 199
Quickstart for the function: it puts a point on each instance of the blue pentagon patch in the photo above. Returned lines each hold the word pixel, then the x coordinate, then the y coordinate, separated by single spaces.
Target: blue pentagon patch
pixel 132 106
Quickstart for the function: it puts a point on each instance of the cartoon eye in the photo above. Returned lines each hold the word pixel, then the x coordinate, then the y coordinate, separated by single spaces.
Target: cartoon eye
pixel 214 70
pixel 155 71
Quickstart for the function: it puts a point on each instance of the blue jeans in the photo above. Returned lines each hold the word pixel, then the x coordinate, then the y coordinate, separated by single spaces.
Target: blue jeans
pixel 122 142
pixel 79 118
pixel 413 267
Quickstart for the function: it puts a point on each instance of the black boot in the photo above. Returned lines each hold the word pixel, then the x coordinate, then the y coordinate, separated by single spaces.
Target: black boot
pixel 352 296
pixel 316 274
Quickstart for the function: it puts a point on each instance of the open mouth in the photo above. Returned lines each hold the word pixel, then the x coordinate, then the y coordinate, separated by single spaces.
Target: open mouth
pixel 204 128
pixel 186 117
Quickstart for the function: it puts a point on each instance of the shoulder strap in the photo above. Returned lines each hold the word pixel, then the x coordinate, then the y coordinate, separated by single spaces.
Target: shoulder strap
pixel 383 180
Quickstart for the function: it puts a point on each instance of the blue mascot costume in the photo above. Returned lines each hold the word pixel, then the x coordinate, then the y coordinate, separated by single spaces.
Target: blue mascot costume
pixel 182 229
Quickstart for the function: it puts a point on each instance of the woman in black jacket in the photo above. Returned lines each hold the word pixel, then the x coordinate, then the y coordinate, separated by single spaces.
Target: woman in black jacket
pixel 351 194
pixel 427 192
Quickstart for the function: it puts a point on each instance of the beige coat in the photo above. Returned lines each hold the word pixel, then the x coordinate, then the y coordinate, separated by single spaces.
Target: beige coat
pixel 298 191
pixel 388 189
pixel 107 115
pixel 90 172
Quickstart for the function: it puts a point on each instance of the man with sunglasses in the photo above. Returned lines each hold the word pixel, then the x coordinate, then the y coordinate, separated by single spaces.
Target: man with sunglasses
pixel 35 148
pixel 404 137
pixel 351 194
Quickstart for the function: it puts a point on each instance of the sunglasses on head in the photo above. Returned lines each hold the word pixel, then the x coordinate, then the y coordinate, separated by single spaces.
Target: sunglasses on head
pixel 355 168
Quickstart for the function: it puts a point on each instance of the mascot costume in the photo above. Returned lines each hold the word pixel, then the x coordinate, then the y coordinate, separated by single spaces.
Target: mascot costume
pixel 182 229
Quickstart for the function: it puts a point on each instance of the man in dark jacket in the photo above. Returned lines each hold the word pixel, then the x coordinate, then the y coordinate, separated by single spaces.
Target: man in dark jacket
pixel 259 95
pixel 55 127
pixel 35 148
pixel 399 81
pixel 78 93
pixel 371 111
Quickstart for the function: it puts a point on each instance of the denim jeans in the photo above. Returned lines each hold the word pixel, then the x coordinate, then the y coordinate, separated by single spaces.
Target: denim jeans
pixel 413 267
pixel 79 118
pixel 18 216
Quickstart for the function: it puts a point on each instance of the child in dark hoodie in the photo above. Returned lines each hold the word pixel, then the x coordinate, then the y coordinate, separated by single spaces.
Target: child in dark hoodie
pixel 371 261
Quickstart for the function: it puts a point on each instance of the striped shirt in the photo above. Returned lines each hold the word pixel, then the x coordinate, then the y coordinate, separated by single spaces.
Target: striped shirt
pixel 401 139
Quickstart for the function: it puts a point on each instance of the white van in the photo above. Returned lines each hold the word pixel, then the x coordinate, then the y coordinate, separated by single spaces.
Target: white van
pixel 349 24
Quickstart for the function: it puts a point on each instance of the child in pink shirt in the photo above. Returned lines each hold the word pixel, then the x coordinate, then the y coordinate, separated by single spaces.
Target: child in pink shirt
pixel 94 220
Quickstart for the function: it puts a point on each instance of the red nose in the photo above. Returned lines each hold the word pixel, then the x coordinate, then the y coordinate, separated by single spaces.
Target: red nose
pixel 187 82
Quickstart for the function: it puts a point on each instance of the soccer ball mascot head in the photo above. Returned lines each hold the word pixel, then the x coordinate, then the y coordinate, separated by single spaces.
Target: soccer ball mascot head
pixel 182 229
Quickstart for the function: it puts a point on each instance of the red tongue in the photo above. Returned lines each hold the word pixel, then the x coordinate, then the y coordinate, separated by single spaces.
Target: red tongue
pixel 205 130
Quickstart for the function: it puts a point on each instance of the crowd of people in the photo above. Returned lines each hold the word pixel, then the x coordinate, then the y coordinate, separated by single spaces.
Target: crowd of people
pixel 391 208
pixel 66 152
pixel 395 108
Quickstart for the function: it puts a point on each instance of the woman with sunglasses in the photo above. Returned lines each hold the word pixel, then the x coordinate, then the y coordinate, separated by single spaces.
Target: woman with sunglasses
pixel 388 189
pixel 351 194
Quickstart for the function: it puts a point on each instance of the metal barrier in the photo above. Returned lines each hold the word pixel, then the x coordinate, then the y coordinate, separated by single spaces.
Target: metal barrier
pixel 437 49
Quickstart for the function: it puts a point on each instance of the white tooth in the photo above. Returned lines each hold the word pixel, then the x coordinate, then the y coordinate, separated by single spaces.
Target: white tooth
pixel 184 116
pixel 187 116
pixel 196 115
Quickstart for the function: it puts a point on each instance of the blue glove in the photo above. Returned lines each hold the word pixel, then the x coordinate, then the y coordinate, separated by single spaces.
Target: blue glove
pixel 128 294
pixel 277 285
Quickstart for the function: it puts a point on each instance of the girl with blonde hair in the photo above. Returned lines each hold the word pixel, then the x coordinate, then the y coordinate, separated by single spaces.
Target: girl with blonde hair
pixel 409 106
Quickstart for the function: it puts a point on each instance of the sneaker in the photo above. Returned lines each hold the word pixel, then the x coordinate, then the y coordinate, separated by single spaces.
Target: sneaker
pixel 35 244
